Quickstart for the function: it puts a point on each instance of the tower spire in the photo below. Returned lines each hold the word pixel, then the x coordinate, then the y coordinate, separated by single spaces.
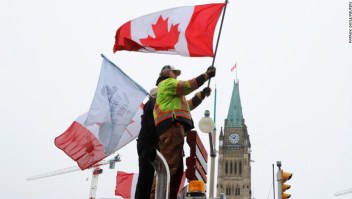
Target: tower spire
pixel 234 115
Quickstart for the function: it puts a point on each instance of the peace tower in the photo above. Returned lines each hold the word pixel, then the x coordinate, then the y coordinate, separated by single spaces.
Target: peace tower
pixel 234 168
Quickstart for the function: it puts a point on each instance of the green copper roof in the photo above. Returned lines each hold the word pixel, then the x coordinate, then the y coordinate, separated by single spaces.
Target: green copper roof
pixel 234 116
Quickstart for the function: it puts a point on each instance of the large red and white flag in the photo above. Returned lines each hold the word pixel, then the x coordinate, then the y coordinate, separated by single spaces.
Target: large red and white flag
pixel 112 121
pixel 126 184
pixel 186 31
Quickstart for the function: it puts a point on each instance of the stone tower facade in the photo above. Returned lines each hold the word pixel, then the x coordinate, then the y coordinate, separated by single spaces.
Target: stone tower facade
pixel 234 160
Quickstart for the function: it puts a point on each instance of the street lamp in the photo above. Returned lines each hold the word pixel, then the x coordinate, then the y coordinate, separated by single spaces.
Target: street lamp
pixel 206 125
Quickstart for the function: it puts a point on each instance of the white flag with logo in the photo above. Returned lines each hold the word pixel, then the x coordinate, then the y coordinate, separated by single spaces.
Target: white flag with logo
pixel 113 119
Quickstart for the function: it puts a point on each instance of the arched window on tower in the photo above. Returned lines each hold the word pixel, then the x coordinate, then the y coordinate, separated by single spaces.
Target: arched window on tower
pixel 226 166
pixel 235 167
pixel 228 190
pixel 240 167
pixel 237 191
pixel 231 167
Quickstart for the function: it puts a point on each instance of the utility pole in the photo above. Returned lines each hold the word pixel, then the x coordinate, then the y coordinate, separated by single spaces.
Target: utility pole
pixel 273 182
pixel 282 177
pixel 278 178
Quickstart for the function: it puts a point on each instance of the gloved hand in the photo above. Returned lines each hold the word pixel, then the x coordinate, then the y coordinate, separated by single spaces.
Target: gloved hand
pixel 211 71
pixel 205 92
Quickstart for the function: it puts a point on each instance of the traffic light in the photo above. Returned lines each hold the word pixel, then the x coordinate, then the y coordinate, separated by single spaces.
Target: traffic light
pixel 285 176
pixel 282 177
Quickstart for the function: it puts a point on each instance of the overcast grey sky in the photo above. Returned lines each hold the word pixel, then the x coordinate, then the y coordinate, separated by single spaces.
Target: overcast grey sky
pixel 294 68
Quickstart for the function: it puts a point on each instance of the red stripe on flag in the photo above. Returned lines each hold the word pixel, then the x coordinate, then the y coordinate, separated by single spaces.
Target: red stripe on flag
pixel 123 39
pixel 200 30
pixel 81 145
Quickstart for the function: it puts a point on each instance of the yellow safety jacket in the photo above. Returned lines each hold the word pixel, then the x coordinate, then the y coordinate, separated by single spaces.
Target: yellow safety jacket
pixel 171 104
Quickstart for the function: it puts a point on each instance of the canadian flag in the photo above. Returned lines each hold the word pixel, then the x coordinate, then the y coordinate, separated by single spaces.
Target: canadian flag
pixel 186 31
pixel 112 121
pixel 126 184
pixel 234 67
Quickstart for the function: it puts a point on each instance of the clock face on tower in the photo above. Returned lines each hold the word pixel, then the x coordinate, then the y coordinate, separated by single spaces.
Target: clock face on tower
pixel 234 138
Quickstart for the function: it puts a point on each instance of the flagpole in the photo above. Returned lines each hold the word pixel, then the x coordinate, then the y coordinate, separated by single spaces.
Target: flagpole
pixel 212 140
pixel 217 41
pixel 236 72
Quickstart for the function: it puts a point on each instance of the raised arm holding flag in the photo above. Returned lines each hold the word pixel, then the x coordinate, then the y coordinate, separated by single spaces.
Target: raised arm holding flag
pixel 172 117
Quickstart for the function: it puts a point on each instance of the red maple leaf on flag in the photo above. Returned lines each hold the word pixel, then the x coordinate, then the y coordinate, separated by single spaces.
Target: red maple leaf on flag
pixel 164 39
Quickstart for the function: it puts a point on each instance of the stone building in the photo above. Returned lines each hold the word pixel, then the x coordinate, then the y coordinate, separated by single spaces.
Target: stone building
pixel 234 160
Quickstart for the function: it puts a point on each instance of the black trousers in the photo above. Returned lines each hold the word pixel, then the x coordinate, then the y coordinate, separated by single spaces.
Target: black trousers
pixel 146 173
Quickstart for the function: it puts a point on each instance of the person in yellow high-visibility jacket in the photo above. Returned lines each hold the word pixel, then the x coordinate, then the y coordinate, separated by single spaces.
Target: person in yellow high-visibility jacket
pixel 172 118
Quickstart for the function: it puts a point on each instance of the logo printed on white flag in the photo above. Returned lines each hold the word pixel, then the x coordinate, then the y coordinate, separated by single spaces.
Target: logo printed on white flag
pixel 115 102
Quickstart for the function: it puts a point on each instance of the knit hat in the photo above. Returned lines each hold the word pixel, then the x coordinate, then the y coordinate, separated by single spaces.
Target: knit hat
pixel 153 91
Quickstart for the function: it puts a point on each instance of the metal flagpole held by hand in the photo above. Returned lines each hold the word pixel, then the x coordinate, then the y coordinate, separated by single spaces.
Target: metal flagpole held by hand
pixel 217 41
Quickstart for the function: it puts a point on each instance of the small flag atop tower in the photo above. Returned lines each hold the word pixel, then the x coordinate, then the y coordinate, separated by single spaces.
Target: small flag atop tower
pixel 234 67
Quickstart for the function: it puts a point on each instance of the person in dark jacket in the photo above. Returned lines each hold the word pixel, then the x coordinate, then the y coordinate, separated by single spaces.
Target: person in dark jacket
pixel 146 142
